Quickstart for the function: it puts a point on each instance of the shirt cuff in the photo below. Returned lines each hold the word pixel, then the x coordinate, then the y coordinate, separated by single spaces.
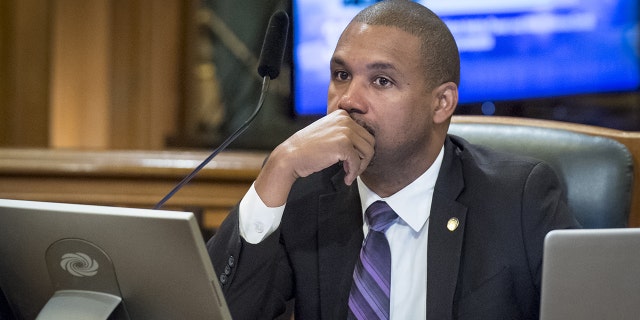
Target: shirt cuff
pixel 256 220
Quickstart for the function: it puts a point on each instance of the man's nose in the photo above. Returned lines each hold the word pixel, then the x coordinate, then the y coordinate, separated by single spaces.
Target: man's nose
pixel 353 99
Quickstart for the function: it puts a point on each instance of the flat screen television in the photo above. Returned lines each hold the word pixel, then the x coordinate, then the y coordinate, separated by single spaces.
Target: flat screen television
pixel 509 49
pixel 68 261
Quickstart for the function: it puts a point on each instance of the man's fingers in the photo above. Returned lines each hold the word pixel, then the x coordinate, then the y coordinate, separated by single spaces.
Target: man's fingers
pixel 355 164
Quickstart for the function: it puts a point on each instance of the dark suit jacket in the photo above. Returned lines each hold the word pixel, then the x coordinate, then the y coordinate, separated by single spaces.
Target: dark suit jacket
pixel 488 268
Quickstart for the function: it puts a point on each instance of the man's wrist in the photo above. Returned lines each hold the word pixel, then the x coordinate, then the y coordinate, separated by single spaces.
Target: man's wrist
pixel 257 220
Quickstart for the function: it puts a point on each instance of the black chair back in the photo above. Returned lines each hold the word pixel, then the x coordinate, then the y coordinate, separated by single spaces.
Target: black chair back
pixel 597 172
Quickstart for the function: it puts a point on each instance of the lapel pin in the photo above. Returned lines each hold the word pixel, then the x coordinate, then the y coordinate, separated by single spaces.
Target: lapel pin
pixel 453 224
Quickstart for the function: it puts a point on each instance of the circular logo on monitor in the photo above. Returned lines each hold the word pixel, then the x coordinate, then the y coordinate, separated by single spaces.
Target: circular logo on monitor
pixel 79 264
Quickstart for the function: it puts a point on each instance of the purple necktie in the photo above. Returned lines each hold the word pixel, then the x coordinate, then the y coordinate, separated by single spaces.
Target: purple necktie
pixel 369 296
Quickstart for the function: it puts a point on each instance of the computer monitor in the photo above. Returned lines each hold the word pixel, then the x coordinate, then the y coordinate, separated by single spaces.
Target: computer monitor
pixel 69 261
pixel 591 274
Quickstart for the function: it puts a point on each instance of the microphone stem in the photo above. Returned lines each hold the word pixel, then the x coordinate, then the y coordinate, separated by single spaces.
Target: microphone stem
pixel 238 132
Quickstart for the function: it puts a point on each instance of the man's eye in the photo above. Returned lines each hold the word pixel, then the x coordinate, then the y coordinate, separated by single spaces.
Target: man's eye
pixel 341 75
pixel 383 82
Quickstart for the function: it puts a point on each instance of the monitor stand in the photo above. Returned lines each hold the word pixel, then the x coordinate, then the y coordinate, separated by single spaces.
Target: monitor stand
pixel 78 304
pixel 84 281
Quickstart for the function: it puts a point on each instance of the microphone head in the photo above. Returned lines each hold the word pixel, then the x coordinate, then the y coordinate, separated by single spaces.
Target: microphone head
pixel 275 41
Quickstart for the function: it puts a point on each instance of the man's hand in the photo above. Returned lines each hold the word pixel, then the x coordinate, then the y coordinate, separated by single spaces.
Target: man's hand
pixel 335 137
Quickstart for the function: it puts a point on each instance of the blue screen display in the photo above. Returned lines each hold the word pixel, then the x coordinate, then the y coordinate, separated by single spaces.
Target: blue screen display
pixel 509 49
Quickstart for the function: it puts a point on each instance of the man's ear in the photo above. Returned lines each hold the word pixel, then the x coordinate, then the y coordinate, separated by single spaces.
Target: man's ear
pixel 445 101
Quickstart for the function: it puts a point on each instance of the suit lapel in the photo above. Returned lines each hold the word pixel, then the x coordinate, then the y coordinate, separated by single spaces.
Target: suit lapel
pixel 445 241
pixel 339 240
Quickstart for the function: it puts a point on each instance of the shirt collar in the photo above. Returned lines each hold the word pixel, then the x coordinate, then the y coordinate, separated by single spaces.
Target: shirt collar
pixel 413 202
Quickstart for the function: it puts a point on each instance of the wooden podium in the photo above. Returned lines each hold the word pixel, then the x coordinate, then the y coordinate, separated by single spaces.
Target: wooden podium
pixel 130 178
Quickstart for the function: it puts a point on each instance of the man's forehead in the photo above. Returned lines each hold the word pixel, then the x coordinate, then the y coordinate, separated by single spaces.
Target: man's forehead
pixel 376 42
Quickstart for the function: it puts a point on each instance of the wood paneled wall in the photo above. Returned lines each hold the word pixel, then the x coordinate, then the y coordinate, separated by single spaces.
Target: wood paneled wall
pixel 24 72
pixel 92 74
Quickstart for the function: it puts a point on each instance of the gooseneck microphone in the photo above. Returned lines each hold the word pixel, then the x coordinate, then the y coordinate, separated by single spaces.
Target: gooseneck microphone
pixel 275 41
pixel 271 56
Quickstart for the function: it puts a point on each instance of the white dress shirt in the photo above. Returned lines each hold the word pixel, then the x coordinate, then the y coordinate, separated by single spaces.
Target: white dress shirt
pixel 407 237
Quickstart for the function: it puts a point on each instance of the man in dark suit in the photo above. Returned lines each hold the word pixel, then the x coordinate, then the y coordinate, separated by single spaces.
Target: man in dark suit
pixel 467 243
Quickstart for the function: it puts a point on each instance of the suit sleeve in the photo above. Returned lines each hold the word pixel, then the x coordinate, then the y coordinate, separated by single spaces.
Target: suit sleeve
pixel 255 278
pixel 544 209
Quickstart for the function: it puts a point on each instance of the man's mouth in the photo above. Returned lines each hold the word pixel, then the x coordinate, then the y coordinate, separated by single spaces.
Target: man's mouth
pixel 365 126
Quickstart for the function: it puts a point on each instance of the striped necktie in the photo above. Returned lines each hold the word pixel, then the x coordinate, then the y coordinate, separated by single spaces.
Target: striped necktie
pixel 369 296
